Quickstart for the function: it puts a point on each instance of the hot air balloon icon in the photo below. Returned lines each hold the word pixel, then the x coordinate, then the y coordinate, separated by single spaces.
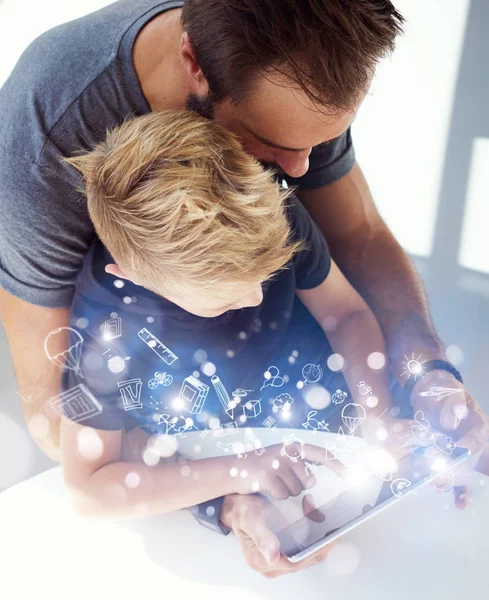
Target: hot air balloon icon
pixel 353 415
pixel 69 358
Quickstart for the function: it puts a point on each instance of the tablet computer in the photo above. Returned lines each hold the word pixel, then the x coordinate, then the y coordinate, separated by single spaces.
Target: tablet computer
pixel 348 503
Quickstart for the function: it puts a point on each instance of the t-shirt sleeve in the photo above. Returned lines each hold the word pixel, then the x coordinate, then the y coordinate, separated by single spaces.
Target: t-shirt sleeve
pixel 328 163
pixel 313 263
pixel 45 231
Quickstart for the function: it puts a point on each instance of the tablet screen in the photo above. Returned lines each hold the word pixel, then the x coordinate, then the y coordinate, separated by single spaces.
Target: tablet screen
pixel 362 497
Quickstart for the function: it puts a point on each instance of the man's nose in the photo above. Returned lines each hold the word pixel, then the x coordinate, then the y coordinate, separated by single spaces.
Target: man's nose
pixel 294 166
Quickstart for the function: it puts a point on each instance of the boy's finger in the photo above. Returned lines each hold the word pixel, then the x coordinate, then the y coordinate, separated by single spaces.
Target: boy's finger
pixel 307 480
pixel 291 481
pixel 254 525
pixel 322 456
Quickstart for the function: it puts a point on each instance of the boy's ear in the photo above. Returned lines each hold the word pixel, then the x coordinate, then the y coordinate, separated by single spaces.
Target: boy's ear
pixel 114 270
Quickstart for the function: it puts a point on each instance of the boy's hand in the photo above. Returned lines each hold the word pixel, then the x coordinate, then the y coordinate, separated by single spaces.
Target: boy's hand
pixel 252 519
pixel 278 474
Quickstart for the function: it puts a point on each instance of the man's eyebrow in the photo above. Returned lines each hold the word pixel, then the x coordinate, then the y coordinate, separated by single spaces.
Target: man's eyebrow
pixel 273 144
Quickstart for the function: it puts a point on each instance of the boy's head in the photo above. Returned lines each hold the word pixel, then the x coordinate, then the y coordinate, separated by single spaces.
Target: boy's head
pixel 186 212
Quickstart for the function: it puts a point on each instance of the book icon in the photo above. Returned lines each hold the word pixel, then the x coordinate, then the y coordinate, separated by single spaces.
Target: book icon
pixel 77 404
pixel 194 393
pixel 112 329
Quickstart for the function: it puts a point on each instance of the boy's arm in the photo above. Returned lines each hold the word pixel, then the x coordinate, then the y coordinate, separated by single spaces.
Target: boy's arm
pixel 101 485
pixel 354 334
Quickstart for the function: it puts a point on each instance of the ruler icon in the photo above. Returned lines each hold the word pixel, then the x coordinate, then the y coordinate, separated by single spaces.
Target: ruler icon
pixel 157 346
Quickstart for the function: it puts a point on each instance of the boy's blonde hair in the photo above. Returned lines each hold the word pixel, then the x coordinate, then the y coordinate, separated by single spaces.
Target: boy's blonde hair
pixel 176 199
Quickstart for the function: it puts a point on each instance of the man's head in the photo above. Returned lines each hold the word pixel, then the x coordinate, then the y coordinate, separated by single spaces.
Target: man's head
pixel 186 212
pixel 285 75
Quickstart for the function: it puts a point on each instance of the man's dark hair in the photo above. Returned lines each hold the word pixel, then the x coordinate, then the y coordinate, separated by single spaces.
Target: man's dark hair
pixel 329 48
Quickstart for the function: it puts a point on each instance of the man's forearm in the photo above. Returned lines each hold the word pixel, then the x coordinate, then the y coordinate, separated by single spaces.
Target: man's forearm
pixel 375 263
pixel 26 327
pixel 385 276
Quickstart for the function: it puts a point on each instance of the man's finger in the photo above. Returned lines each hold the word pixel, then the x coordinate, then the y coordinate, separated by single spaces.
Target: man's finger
pixel 463 496
pixel 453 411
pixel 476 437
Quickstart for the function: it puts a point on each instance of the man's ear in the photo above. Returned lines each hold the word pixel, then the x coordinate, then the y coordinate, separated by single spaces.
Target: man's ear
pixel 114 270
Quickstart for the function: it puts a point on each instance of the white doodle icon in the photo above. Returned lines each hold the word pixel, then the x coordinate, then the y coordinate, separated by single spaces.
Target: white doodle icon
pixel 225 429
pixel 70 357
pixel 399 485
pixel 240 393
pixel 311 468
pixel 194 392
pixel 413 366
pixel 30 394
pixel 382 464
pixel 423 436
pixel 112 329
pixel 339 397
pixel 440 392
pixel 160 379
pixel 313 424
pixel 176 425
pixel 226 402
pixel 312 373
pixel 293 448
pixel 77 404
pixel 282 402
pixel 353 415
pixel 272 378
pixel 252 409
pixel 364 388
pixel 130 391
pixel 158 347
pixel 233 448
pixel 269 422
pixel 339 449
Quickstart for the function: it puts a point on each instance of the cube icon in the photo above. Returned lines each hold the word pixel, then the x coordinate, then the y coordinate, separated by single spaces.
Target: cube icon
pixel 252 409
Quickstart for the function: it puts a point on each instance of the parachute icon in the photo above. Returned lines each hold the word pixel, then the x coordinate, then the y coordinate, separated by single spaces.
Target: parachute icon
pixel 69 358
pixel 353 415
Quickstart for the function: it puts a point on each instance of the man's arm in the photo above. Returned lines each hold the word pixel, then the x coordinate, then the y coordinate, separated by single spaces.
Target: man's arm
pixel 375 263
pixel 26 327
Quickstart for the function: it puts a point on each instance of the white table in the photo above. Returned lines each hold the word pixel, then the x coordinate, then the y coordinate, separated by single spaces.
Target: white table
pixel 421 548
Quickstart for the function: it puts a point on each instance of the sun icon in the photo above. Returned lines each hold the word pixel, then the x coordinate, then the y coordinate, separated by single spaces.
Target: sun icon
pixel 413 366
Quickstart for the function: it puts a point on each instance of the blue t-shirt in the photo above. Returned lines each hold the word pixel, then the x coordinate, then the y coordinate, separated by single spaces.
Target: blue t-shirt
pixel 71 85
pixel 149 363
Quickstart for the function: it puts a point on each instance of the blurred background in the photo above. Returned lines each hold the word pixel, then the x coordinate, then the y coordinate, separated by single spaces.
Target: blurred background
pixel 422 139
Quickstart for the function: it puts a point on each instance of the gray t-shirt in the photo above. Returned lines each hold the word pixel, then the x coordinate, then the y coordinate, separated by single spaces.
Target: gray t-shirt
pixel 72 84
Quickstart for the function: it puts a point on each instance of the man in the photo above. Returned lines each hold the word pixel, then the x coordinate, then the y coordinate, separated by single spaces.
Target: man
pixel 288 78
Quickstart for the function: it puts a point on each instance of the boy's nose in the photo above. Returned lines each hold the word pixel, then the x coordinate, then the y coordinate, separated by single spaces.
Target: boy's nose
pixel 254 299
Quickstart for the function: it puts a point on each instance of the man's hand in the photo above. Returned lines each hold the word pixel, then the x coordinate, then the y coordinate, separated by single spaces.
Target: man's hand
pixel 252 519
pixel 456 415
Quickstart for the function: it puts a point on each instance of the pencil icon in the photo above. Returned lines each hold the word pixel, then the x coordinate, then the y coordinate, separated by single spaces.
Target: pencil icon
pixel 223 396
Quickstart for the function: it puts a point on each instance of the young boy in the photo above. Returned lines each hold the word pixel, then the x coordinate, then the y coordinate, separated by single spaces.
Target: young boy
pixel 195 313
